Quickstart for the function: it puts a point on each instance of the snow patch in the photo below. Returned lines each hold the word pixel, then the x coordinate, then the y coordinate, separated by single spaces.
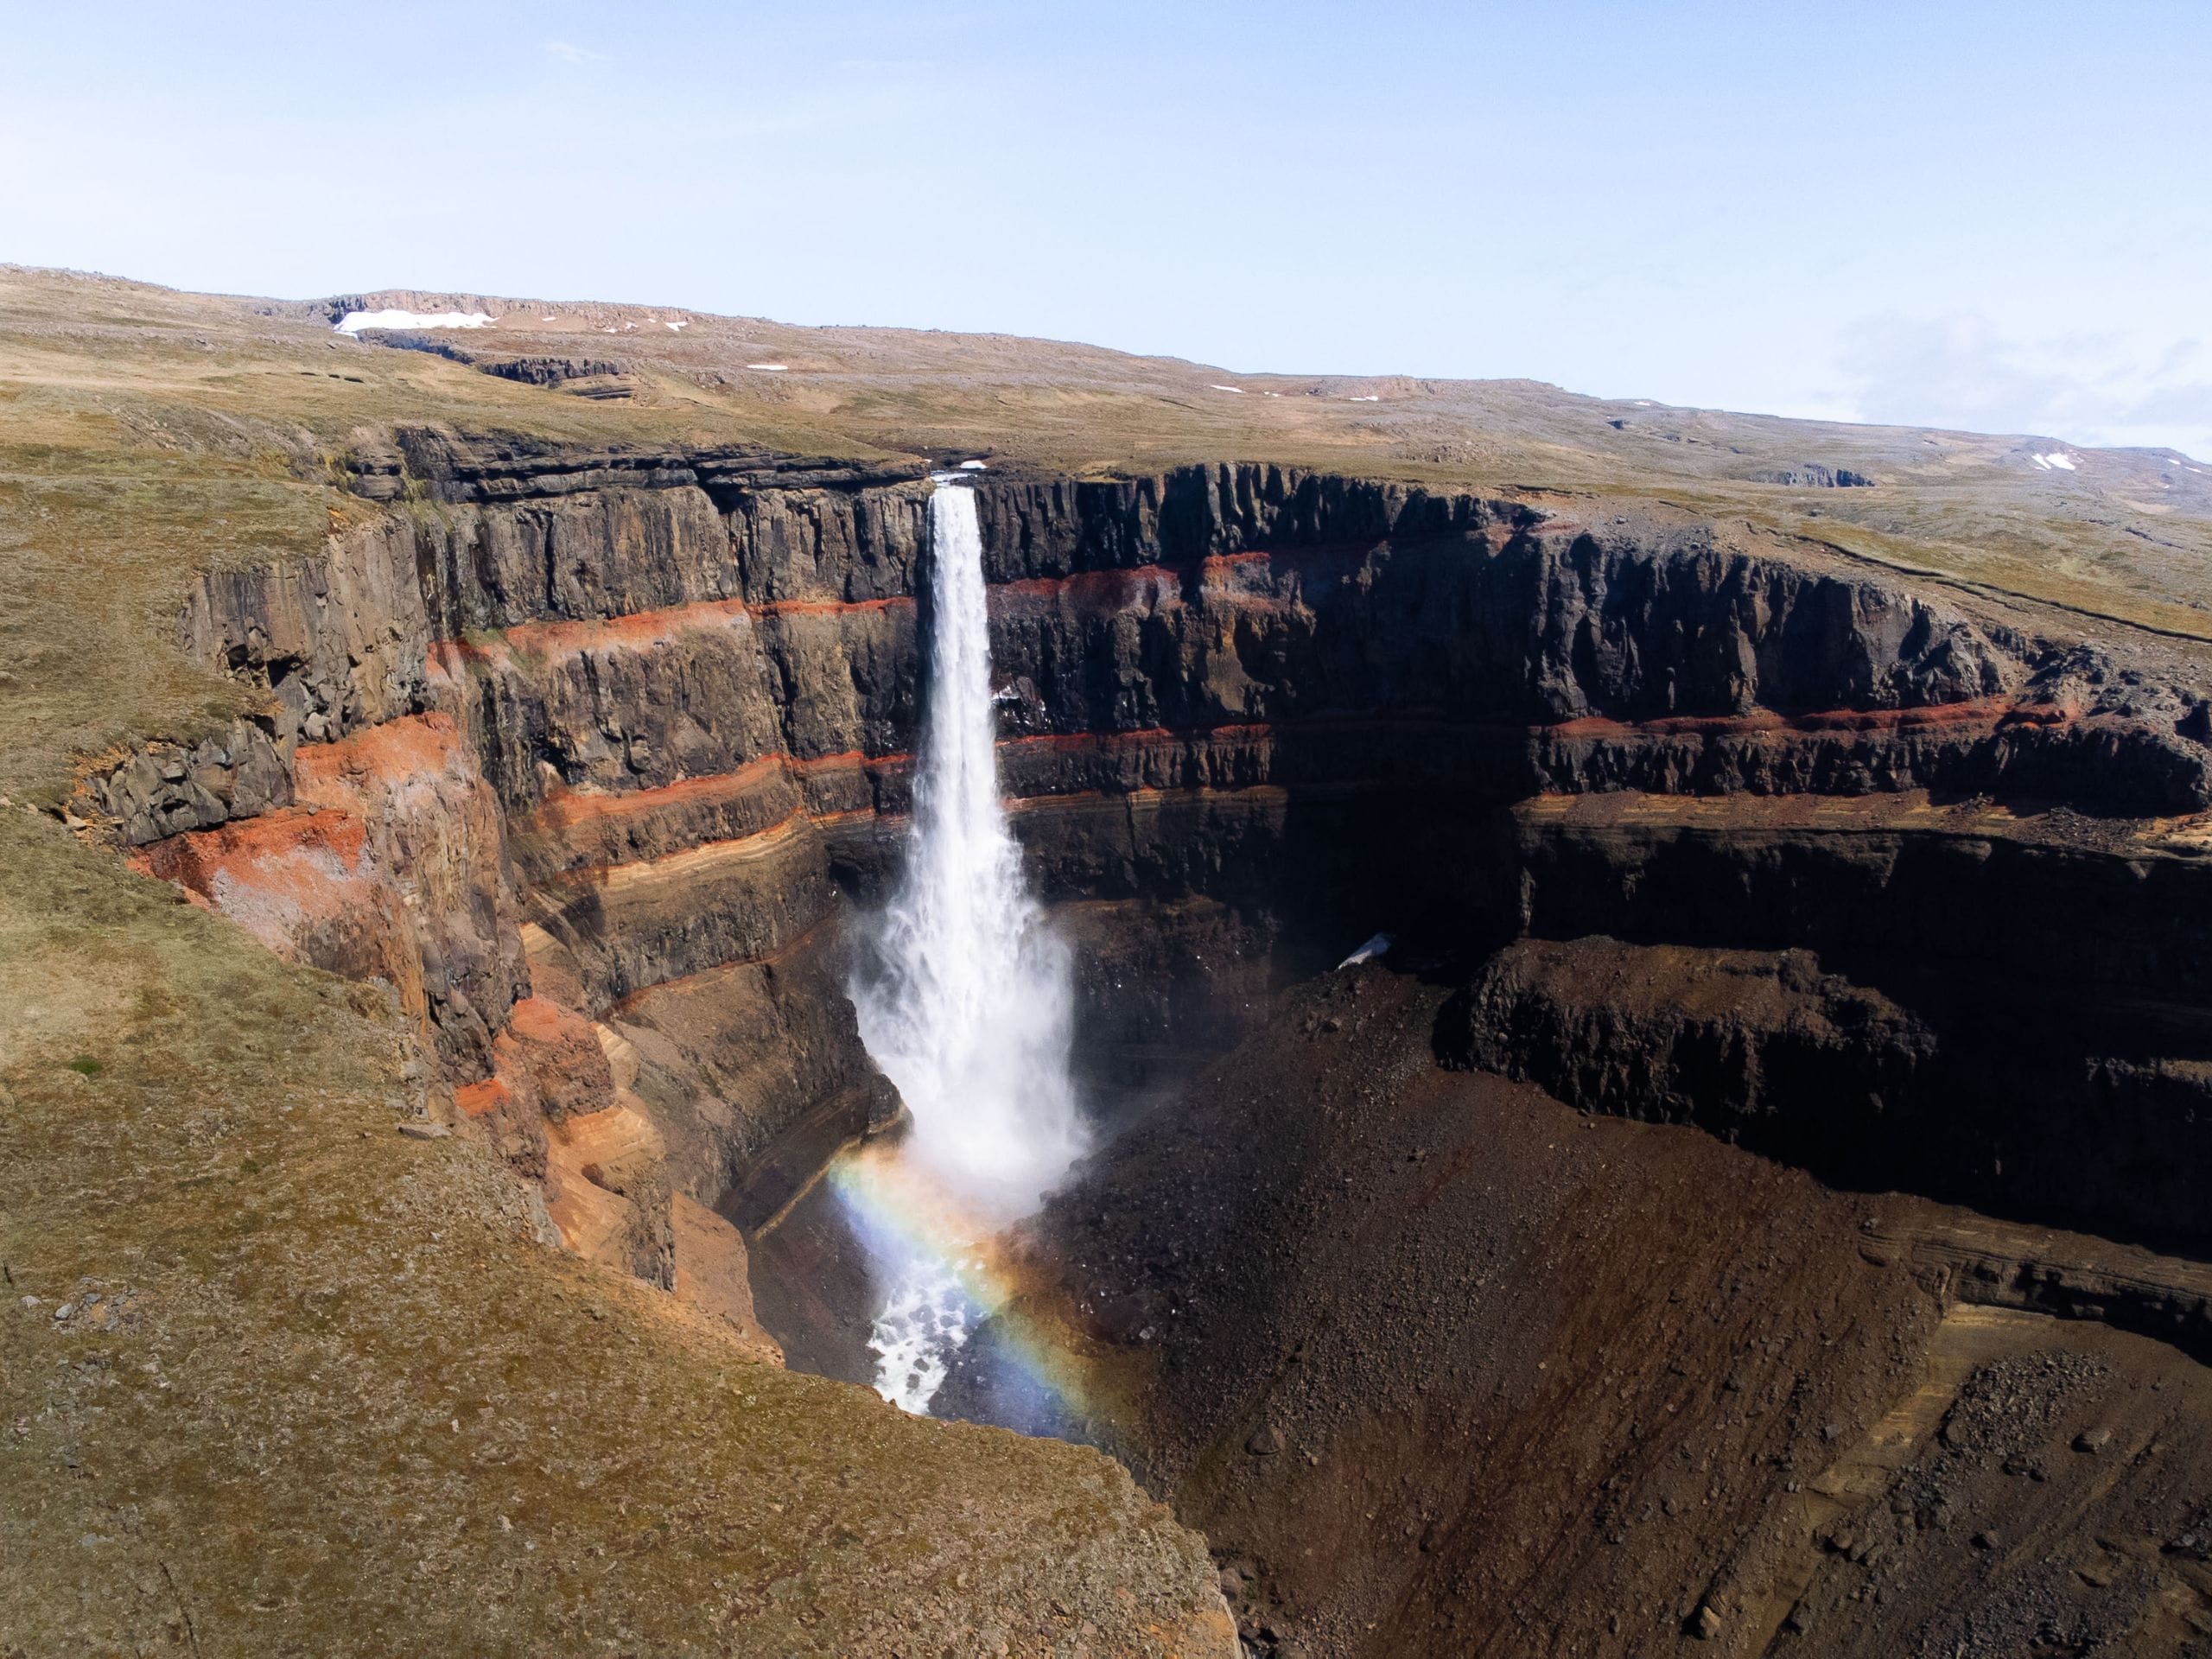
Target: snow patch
pixel 971 466
pixel 770 368
pixel 1239 390
pixel 2057 460
pixel 678 328
pixel 1371 398
pixel 353 322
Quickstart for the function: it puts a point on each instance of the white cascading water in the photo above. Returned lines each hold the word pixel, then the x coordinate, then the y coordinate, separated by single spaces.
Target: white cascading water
pixel 967 1003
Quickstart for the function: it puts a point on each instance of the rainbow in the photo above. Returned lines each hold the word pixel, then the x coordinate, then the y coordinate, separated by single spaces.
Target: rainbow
pixel 916 1228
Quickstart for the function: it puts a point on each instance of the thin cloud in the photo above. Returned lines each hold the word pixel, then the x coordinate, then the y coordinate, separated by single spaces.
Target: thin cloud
pixel 569 53
pixel 2088 388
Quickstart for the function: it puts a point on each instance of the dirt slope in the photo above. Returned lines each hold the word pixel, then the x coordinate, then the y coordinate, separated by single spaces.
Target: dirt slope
pixel 1442 1367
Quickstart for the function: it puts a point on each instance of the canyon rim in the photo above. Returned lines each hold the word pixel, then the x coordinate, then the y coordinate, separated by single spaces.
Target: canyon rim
pixel 555 939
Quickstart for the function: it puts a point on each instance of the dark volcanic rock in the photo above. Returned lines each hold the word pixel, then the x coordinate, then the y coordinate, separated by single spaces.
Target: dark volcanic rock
pixel 733 604
pixel 166 789
pixel 1670 1033
pixel 547 370
pixel 1252 714
pixel 1991 1102
pixel 1815 476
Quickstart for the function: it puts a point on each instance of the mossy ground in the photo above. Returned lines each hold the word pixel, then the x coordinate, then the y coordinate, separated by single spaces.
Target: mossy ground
pixel 332 1398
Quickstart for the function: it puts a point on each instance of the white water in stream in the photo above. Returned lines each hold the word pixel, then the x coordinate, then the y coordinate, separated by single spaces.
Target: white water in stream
pixel 967 1003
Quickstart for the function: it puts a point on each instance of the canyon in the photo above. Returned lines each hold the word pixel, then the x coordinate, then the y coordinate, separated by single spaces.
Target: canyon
pixel 1752 1205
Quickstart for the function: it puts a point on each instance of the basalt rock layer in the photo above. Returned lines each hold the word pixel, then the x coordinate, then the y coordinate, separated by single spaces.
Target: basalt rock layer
pixel 1992 1099
pixel 683 687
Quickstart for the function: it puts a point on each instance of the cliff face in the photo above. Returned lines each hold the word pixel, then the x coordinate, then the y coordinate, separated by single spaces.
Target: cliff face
pixel 1994 1104
pixel 701 622
pixel 661 706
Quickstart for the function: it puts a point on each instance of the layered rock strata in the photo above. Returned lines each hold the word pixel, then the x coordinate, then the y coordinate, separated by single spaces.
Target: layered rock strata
pixel 1247 711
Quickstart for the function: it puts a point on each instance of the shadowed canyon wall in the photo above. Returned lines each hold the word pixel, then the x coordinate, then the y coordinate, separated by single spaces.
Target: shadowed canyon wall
pixel 626 734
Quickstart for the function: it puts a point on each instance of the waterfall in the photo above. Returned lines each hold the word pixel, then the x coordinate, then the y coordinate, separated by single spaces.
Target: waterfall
pixel 964 998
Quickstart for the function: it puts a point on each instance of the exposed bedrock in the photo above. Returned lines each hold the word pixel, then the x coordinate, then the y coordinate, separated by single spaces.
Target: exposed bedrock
pixel 594 757
pixel 1520 659
pixel 712 659
pixel 166 789
pixel 1997 1102
pixel 2083 908
pixel 1250 716
pixel 339 640
pixel 755 1072
pixel 671 625
pixel 391 864
pixel 1726 1038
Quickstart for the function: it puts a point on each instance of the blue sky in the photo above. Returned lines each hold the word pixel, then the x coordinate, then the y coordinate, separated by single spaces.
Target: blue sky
pixel 1995 216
